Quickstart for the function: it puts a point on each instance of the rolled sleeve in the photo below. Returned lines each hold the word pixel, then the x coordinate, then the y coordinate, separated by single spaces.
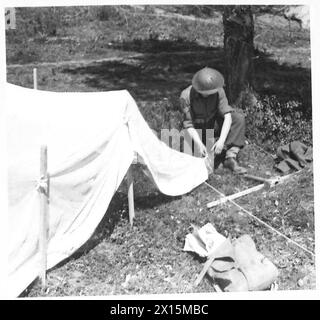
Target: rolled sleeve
pixel 186 109
pixel 223 103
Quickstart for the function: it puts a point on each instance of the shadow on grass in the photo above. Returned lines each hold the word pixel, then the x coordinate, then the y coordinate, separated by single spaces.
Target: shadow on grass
pixel 168 66
pixel 154 45
pixel 153 200
pixel 118 208
pixel 151 77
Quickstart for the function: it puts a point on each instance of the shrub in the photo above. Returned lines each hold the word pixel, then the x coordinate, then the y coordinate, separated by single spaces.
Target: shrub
pixel 46 21
pixel 272 122
pixel 111 13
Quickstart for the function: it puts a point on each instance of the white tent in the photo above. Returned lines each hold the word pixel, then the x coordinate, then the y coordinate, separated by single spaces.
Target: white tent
pixel 91 140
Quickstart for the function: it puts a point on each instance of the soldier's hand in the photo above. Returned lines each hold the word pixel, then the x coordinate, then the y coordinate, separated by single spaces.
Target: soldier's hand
pixel 218 147
pixel 203 150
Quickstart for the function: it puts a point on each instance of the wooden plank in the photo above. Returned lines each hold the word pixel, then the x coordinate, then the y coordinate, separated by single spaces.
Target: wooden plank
pixel 204 269
pixel 235 195
pixel 130 195
pixel 217 288
pixel 208 263
pixel 44 201
pixel 211 153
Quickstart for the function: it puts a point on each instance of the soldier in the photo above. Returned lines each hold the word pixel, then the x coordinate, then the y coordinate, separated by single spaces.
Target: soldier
pixel 205 106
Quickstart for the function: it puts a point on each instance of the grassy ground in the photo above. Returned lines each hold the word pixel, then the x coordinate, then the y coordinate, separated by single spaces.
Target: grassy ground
pixel 148 258
pixel 154 56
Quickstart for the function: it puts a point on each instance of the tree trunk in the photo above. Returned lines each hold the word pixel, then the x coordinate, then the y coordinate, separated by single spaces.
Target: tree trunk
pixel 238 49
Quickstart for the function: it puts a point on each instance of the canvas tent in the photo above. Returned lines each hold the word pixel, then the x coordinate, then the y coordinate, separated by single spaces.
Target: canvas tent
pixel 91 140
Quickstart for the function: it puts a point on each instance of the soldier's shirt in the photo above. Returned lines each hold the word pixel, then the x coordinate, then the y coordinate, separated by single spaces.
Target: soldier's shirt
pixel 200 111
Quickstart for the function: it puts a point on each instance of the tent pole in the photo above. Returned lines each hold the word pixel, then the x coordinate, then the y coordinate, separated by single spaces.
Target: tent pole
pixel 130 195
pixel 44 201
pixel 35 79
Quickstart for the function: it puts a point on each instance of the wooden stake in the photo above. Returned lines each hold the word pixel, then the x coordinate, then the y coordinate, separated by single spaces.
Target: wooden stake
pixel 212 155
pixel 35 79
pixel 212 161
pixel 44 201
pixel 130 195
pixel 268 183
pixel 235 195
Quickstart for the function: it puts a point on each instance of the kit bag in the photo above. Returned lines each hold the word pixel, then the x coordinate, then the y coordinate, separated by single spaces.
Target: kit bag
pixel 238 266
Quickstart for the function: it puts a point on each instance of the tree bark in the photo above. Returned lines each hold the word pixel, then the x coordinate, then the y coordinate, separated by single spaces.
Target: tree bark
pixel 238 48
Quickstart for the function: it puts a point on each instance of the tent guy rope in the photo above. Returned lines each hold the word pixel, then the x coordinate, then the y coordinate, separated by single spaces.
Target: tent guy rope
pixel 262 222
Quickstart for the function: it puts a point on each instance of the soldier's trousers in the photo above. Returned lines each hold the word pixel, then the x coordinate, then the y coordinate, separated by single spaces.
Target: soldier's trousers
pixel 236 136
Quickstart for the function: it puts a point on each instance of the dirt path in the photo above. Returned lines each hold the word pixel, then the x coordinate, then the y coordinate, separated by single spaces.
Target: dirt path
pixel 73 62
pixel 92 61
pixel 161 13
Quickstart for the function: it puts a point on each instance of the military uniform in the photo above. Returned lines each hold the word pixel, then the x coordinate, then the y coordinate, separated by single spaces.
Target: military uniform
pixel 208 113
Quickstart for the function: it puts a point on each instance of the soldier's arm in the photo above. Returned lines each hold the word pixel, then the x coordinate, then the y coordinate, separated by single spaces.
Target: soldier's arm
pixel 225 127
pixel 224 110
pixel 188 122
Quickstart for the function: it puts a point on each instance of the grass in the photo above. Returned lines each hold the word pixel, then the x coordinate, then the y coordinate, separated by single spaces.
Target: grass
pixel 156 57
pixel 149 259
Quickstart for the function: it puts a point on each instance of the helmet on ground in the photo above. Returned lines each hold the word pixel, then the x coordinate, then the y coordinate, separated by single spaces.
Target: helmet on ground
pixel 207 81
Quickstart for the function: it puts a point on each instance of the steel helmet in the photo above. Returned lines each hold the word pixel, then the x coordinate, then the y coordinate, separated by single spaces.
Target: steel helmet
pixel 207 81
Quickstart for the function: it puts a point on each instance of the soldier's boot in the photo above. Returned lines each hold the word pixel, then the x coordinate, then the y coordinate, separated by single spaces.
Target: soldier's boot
pixel 219 158
pixel 232 164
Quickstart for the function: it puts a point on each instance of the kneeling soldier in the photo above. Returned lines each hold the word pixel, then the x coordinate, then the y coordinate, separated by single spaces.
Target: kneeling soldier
pixel 205 106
